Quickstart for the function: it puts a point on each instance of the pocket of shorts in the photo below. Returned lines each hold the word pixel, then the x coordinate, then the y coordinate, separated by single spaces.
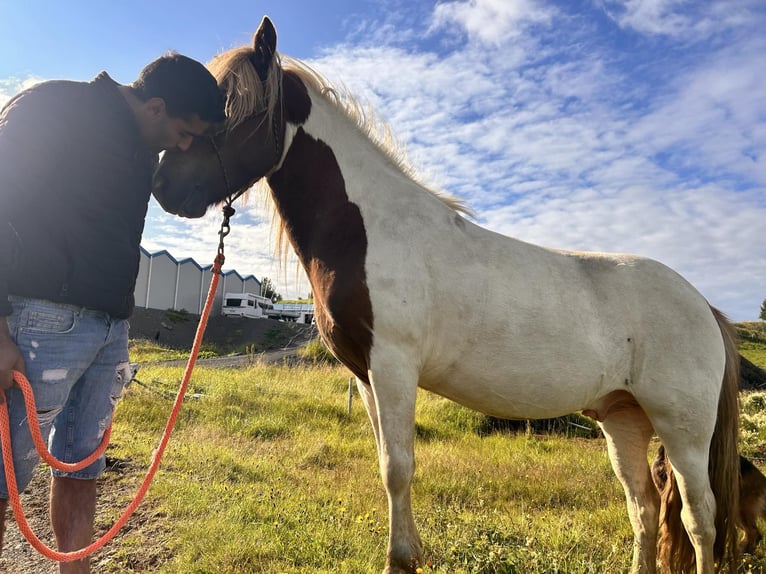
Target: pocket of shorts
pixel 49 321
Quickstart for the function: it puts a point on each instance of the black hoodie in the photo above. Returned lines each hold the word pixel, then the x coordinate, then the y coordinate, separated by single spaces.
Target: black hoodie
pixel 75 182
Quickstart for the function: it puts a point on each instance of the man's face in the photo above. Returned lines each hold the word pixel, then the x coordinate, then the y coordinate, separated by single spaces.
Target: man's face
pixel 179 133
pixel 163 132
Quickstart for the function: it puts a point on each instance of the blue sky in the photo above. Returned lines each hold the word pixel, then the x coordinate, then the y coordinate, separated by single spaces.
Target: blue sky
pixel 605 125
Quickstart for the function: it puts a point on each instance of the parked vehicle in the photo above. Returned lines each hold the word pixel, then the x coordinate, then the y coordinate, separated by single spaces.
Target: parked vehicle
pixel 247 305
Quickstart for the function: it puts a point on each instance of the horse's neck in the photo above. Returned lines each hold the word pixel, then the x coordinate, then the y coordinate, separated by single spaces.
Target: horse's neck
pixel 374 170
pixel 330 161
pixel 330 173
pixel 357 154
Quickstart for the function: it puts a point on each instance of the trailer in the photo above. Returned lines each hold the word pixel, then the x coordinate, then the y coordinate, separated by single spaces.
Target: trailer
pixel 247 305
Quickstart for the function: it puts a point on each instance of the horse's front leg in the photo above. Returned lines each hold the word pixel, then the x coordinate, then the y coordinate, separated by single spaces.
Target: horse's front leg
pixel 395 391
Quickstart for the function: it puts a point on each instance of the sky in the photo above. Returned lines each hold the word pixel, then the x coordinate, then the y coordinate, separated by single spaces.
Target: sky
pixel 633 126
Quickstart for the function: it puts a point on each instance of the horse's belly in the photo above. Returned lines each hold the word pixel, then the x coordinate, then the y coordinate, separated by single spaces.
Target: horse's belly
pixel 517 395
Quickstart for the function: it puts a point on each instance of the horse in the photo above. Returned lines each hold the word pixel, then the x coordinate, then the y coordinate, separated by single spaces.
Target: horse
pixel 752 497
pixel 621 338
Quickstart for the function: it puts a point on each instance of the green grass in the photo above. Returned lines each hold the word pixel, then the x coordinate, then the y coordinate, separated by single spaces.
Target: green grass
pixel 144 351
pixel 752 342
pixel 316 351
pixel 754 352
pixel 267 472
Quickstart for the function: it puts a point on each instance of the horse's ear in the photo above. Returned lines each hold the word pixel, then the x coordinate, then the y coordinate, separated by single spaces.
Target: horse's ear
pixel 264 46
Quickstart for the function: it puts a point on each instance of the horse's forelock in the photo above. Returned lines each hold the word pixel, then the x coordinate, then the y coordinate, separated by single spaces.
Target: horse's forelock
pixel 244 91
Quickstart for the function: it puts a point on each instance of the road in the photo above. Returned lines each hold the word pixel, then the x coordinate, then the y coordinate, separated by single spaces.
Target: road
pixel 268 357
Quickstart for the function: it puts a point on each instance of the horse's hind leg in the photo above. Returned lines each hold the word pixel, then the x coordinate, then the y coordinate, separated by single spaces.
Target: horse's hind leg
pixel 688 454
pixel 628 432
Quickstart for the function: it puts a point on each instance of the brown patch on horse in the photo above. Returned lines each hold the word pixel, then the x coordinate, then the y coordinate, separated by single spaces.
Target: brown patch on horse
pixel 752 503
pixel 328 235
pixel 295 99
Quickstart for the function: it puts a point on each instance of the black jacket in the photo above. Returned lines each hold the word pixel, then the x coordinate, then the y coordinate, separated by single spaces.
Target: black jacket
pixel 75 182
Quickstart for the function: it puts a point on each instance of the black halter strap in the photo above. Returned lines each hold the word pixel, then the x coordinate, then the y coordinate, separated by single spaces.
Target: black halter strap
pixel 221 165
pixel 231 197
pixel 228 210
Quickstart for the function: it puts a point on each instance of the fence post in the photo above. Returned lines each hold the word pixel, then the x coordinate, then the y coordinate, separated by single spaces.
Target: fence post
pixel 350 393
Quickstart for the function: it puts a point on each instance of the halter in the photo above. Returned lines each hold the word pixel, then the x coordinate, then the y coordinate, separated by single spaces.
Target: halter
pixel 228 210
pixel 278 143
pixel 223 168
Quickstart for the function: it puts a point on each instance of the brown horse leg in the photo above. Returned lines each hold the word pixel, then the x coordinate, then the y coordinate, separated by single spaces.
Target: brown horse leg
pixel 752 504
pixel 688 461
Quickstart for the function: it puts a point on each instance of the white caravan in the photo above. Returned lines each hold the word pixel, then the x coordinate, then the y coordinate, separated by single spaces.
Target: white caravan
pixel 247 305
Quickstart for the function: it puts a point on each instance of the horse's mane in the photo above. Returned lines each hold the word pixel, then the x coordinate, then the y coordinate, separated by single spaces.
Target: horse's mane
pixel 246 94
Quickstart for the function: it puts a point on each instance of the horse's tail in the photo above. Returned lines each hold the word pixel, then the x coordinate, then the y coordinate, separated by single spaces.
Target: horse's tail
pixel 675 548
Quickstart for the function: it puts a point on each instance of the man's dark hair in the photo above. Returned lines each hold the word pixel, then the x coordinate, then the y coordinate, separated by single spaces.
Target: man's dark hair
pixel 186 86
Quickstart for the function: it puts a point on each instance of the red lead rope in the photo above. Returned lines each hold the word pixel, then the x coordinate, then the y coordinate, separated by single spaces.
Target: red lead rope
pixel 10 474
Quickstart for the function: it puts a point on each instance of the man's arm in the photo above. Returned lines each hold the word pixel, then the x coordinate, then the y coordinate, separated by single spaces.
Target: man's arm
pixel 10 357
pixel 25 123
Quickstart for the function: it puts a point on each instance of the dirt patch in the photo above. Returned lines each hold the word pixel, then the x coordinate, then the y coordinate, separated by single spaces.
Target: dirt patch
pixel 18 556
pixel 117 487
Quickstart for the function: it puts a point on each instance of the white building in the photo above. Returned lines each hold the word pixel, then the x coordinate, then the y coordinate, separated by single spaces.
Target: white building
pixel 166 283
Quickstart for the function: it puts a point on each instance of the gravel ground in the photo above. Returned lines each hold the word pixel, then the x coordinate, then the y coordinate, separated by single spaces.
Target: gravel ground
pixel 18 556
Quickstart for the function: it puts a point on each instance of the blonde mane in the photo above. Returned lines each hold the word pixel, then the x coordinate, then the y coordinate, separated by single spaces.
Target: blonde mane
pixel 246 94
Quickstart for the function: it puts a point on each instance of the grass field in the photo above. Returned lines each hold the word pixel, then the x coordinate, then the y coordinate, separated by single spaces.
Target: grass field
pixel 752 343
pixel 268 472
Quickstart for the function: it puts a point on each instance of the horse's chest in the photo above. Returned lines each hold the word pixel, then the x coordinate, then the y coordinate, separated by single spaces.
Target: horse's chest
pixel 344 318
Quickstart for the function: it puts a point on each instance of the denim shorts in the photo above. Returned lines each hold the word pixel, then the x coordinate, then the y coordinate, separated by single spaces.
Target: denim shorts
pixel 76 361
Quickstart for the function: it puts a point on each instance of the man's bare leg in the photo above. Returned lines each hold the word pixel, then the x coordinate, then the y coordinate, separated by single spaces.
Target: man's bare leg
pixel 73 508
pixel 3 507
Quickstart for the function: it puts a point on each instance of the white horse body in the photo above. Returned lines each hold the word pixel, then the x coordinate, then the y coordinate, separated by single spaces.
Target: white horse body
pixel 516 330
pixel 454 301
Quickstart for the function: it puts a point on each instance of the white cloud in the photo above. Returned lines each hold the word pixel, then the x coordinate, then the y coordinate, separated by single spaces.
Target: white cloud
pixel 712 117
pixel 705 234
pixel 651 16
pixel 682 18
pixel 491 22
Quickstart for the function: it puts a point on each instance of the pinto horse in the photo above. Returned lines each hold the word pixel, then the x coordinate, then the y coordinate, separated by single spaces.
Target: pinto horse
pixel 621 338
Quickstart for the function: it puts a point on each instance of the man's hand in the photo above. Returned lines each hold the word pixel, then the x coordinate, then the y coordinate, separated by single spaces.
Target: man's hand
pixel 10 357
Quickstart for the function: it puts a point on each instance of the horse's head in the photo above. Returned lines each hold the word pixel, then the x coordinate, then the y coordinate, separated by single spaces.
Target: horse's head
pixel 187 183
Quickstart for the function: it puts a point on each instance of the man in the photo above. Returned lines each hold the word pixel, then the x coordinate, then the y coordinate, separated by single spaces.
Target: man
pixel 76 164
